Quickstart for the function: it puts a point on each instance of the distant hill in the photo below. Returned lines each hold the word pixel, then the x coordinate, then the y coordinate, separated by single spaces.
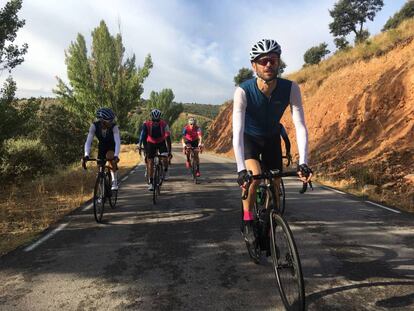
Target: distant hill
pixel 208 111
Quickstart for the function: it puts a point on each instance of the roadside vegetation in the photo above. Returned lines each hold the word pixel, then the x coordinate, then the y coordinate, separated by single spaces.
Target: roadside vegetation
pixel 30 206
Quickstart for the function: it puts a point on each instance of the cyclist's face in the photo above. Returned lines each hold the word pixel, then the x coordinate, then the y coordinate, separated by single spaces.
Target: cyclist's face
pixel 106 124
pixel 267 66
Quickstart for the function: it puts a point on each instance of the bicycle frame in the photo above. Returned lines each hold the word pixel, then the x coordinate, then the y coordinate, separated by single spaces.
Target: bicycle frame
pixel 157 178
pixel 193 166
pixel 102 189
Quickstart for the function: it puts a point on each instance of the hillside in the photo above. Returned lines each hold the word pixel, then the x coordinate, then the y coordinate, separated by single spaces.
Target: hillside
pixel 206 110
pixel 360 119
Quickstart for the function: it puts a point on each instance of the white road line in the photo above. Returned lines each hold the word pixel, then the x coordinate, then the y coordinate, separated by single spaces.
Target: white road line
pixel 87 207
pixel 125 178
pixel 384 207
pixel 372 203
pixel 46 237
pixel 334 190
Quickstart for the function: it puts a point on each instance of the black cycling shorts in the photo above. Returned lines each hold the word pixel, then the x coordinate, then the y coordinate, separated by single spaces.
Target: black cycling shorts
pixel 103 149
pixel 151 149
pixel 264 149
pixel 193 143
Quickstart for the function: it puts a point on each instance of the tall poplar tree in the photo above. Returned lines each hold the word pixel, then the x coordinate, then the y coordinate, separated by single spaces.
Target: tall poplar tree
pixel 105 78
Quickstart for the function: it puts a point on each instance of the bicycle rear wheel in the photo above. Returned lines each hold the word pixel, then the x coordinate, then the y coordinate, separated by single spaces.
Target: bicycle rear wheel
pixel 155 183
pixel 286 264
pixel 99 198
pixel 194 169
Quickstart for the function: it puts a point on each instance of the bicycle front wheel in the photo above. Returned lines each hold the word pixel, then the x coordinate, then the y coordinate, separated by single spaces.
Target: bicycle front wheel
pixel 282 197
pixel 286 264
pixel 99 198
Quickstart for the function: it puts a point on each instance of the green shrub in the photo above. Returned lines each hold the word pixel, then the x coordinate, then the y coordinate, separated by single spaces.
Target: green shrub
pixel 63 133
pixel 22 157
pixel 128 138
pixel 406 12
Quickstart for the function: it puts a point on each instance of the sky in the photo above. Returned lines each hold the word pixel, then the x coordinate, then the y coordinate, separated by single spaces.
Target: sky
pixel 197 46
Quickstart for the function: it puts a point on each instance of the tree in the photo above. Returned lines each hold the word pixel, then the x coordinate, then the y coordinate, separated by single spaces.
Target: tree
pixel 341 43
pixel 349 16
pixel 315 54
pixel 102 79
pixel 243 75
pixel 10 54
pixel 12 117
pixel 282 67
pixel 407 11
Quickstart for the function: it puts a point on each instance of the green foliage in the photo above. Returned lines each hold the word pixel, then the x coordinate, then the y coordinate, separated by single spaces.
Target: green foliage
pixel 341 43
pixel 407 11
pixel 16 118
pixel 62 132
pixel 243 75
pixel 177 127
pixel 349 16
pixel 103 79
pixel 22 157
pixel 315 54
pixel 128 137
pixel 208 111
pixel 10 54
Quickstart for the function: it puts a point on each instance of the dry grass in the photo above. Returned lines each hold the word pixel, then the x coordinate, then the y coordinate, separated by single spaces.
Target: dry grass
pixel 29 208
pixel 375 46
pixel 402 199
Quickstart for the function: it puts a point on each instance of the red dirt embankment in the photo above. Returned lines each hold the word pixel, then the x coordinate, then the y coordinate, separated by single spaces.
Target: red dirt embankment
pixel 361 125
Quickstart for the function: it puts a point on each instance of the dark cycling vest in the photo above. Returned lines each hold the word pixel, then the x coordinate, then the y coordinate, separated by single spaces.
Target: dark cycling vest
pixel 106 141
pixel 263 114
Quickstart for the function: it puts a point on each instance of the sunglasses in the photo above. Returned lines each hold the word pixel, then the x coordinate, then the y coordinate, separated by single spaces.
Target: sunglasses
pixel 263 61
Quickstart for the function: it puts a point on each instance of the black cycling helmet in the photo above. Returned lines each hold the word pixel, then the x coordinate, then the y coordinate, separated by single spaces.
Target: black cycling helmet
pixel 105 114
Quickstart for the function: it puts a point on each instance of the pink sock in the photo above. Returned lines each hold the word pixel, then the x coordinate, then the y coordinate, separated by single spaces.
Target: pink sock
pixel 247 215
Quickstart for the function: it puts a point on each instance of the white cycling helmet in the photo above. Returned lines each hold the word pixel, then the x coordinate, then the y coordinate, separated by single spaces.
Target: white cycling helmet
pixel 192 121
pixel 155 114
pixel 264 46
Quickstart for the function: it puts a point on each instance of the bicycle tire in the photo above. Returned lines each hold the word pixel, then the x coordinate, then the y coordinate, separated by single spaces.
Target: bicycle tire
pixel 99 198
pixel 160 178
pixel 286 264
pixel 155 183
pixel 112 195
pixel 283 197
pixel 194 169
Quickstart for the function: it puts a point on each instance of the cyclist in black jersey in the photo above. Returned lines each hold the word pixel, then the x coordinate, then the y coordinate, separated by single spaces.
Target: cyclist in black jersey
pixel 259 104
pixel 107 132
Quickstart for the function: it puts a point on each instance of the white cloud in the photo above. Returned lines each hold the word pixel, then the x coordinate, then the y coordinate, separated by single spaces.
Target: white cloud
pixel 197 46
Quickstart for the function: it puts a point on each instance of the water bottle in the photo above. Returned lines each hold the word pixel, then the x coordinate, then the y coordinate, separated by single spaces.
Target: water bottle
pixel 260 195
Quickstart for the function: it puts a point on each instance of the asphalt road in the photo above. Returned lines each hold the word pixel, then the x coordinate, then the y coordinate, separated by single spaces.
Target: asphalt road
pixel 186 252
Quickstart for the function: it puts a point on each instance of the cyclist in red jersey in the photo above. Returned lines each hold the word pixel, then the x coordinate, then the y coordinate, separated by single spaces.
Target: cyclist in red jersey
pixel 192 137
pixel 155 136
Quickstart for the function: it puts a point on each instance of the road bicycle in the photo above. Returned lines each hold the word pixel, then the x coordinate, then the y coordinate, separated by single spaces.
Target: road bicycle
pixel 193 163
pixel 157 176
pixel 274 236
pixel 102 191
